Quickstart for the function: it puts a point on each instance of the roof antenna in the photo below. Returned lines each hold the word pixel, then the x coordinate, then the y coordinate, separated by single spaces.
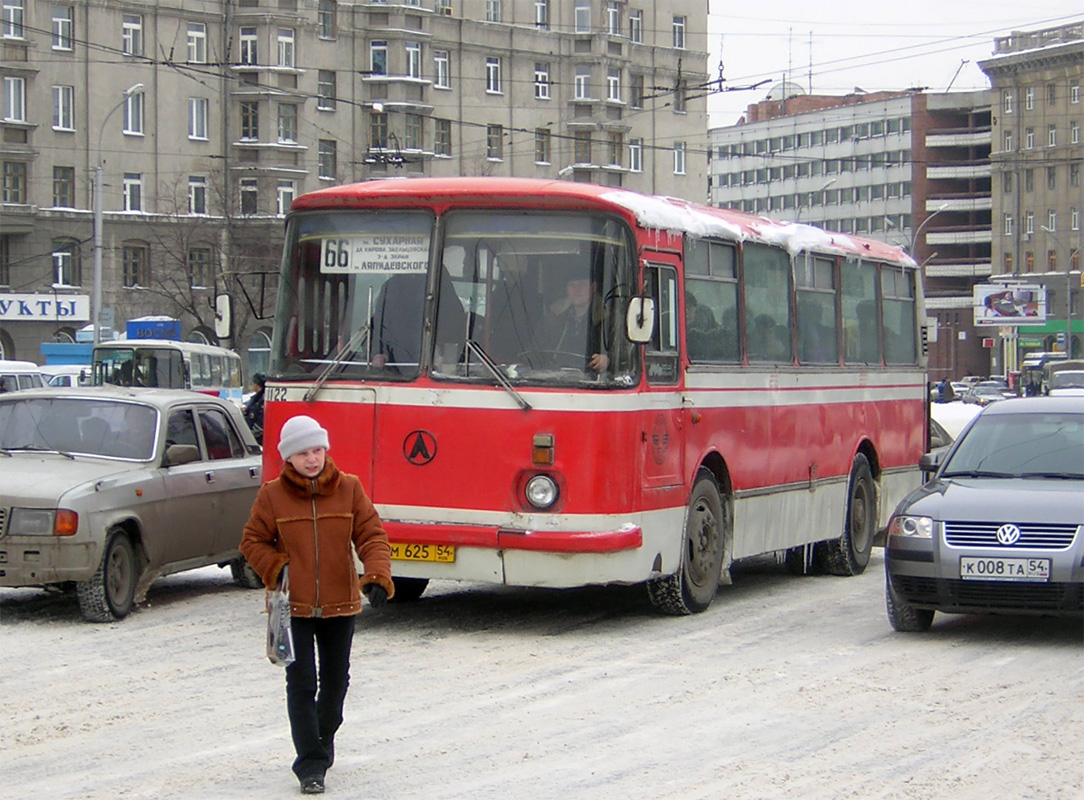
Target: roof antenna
pixel 963 61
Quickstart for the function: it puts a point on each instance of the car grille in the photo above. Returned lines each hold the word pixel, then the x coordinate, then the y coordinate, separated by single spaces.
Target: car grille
pixel 1033 535
pixel 978 595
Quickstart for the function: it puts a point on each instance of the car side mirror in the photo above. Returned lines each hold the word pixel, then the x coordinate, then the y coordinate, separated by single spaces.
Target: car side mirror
pixel 930 462
pixel 177 454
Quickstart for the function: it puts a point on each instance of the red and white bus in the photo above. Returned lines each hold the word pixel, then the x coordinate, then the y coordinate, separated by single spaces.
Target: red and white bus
pixel 547 383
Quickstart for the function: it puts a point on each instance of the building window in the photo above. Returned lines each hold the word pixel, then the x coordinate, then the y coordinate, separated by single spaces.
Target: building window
pixel 132 35
pixel 582 17
pixel 1006 182
pixel 679 99
pixel 200 268
pixel 197 43
pixel 493 75
pixel 581 147
pixel 326 14
pixel 613 85
pixel 1074 174
pixel 286 193
pixel 133 191
pixel 615 148
pixel 1008 141
pixel 1051 135
pixel 1052 260
pixel 542 14
pixel 442 137
pixel 287 123
pixel 613 19
pixel 413 60
pixel 679 32
pixel 134 259
pixel 1029 180
pixel 64 187
pixel 1051 94
pixel 133 114
pixel 1074 93
pixel 249 49
pixel 1029 223
pixel 14 99
pixel 286 47
pixel 493 10
pixel 542 145
pixel 1029 260
pixel 636 155
pixel 1029 138
pixel 1008 225
pixel 1074 219
pixel 64 108
pixel 636 26
pixel 14 182
pixel 250 193
pixel 442 66
pixel 636 91
pixel 1006 101
pixel 327 158
pixel 583 82
pixel 1074 132
pixel 495 142
pixel 250 121
pixel 1052 220
pixel 413 138
pixel 542 81
pixel 1051 177
pixel 378 130
pixel 197 194
pixel 67 266
pixel 197 118
pixel 679 158
pixel 14 12
pixel 1029 98
pixel 325 90
pixel 378 58
pixel 63 28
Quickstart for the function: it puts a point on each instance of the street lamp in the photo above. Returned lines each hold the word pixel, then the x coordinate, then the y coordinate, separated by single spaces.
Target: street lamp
pixel 96 298
pixel 1068 291
pixel 798 211
pixel 918 230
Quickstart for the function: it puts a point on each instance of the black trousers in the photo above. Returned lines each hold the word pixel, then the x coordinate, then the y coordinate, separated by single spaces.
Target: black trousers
pixel 315 707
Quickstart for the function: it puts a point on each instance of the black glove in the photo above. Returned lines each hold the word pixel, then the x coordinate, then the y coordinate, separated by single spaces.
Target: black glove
pixel 378 596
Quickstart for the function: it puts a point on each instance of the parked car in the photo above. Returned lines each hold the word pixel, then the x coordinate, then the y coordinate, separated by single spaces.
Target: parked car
pixel 103 489
pixel 1066 383
pixel 998 528
pixel 983 394
pixel 16 375
pixel 58 375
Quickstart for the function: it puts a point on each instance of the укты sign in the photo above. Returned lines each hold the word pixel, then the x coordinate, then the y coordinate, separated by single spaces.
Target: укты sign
pixel 44 307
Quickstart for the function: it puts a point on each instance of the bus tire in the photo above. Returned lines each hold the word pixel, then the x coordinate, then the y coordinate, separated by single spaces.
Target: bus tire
pixel 407 590
pixel 849 554
pixel 109 593
pixel 691 589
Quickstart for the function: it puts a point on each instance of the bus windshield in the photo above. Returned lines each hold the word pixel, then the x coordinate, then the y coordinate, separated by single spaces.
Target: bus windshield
pixel 139 366
pixel 541 297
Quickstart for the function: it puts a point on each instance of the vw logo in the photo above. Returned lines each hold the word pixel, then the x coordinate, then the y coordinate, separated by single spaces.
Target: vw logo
pixel 419 447
pixel 1008 534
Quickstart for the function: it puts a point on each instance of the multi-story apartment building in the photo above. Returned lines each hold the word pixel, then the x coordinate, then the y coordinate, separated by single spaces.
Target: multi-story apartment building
pixel 904 167
pixel 1038 190
pixel 206 120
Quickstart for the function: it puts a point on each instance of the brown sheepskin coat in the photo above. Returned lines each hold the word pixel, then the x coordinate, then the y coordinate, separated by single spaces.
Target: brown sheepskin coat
pixel 314 526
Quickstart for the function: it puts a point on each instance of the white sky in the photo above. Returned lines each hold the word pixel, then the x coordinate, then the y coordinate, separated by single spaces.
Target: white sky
pixel 873 44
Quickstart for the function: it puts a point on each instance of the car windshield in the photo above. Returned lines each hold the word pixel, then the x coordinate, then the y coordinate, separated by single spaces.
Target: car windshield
pixel 93 427
pixel 1038 444
pixel 1067 379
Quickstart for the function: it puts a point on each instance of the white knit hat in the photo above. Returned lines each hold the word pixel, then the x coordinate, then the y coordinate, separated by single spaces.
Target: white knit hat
pixel 300 433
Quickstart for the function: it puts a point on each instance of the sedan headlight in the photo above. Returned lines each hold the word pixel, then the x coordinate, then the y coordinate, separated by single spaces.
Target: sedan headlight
pixel 916 527
pixel 541 491
pixel 42 522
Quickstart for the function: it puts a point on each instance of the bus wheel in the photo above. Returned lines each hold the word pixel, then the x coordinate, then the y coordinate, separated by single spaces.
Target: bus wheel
pixel 849 554
pixel 407 590
pixel 691 589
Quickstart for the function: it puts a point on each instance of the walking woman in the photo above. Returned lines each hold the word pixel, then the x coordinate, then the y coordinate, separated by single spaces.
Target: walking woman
pixel 313 517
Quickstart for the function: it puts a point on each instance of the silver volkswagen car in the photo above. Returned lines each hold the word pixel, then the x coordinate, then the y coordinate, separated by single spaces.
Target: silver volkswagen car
pixel 102 489
pixel 1000 526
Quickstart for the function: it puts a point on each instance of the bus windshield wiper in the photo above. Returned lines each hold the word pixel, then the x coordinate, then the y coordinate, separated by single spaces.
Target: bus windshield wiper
pixel 491 365
pixel 362 334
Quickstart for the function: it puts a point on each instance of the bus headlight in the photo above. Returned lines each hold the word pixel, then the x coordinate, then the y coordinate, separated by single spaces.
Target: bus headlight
pixel 541 491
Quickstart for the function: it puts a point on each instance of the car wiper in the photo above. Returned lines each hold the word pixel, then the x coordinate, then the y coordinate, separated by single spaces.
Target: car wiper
pixel 37 448
pixel 1062 476
pixel 977 473
pixel 361 335
pixel 491 365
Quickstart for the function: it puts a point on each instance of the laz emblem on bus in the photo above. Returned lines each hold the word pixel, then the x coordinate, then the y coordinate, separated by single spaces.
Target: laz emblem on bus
pixel 420 447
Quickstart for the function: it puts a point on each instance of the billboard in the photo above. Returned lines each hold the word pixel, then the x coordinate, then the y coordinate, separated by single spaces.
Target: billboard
pixel 1016 304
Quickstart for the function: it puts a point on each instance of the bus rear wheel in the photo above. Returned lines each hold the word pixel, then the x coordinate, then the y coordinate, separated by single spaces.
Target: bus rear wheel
pixel 849 554
pixel 691 589
pixel 407 590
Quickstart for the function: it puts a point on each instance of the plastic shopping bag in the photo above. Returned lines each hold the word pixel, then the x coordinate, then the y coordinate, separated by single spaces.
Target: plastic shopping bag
pixel 280 636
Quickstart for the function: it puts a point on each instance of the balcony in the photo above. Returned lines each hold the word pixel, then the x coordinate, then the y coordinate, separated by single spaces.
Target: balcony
pixel 960 137
pixel 958 269
pixel 960 203
pixel 959 236
pixel 978 169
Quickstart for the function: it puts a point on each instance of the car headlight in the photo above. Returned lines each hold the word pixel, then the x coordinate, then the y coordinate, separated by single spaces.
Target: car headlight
pixel 42 522
pixel 916 527
pixel 541 491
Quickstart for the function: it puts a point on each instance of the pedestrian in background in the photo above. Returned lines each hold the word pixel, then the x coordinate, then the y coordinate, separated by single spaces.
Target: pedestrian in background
pixel 253 410
pixel 314 517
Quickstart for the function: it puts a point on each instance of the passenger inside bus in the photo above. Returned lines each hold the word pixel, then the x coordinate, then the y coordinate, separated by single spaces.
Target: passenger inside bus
pixel 398 324
pixel 572 335
pixel 515 315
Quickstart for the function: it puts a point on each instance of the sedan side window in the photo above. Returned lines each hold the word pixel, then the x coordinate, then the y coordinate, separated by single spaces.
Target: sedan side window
pixel 222 440
pixel 181 428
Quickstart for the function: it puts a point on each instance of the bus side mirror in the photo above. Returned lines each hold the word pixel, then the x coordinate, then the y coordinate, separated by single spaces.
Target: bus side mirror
pixel 223 315
pixel 640 319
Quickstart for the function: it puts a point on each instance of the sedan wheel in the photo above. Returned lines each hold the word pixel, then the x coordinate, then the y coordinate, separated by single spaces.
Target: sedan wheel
pixel 109 593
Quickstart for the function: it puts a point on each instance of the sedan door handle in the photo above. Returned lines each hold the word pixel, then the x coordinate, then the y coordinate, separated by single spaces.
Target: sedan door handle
pixel 253 472
pixel 210 477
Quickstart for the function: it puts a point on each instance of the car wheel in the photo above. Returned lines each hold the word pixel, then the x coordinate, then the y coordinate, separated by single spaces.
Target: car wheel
pixel 691 589
pixel 407 590
pixel 109 593
pixel 849 554
pixel 244 575
pixel 903 616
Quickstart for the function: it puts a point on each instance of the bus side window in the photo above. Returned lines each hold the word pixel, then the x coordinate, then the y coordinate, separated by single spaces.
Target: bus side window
pixel 661 354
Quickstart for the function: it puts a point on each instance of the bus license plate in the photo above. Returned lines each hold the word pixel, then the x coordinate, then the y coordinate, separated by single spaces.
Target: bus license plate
pixel 1005 569
pixel 442 553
